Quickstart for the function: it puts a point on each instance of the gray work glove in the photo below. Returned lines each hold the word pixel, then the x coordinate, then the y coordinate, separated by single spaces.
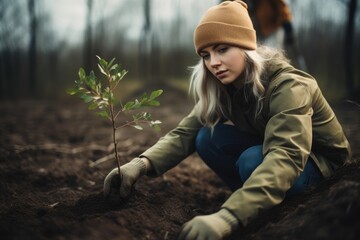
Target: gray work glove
pixel 210 227
pixel 130 173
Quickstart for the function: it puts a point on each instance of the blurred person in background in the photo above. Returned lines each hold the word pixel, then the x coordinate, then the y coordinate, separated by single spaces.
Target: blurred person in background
pixel 273 23
pixel 260 124
pixel 268 17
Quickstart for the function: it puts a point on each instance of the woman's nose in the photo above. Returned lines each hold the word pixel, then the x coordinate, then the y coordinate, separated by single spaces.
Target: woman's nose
pixel 215 61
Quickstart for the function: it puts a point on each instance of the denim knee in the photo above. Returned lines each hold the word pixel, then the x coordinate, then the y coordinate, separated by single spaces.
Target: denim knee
pixel 248 161
pixel 202 141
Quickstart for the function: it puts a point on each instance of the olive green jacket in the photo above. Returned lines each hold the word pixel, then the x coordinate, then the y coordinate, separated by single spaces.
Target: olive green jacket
pixel 296 122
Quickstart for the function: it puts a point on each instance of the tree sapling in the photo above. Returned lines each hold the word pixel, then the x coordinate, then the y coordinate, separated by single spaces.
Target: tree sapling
pixel 99 93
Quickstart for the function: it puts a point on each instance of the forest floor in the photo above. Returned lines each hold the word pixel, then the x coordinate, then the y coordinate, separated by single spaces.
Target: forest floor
pixel 51 181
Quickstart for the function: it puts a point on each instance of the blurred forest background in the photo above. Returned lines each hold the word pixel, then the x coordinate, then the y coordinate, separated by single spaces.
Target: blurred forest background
pixel 43 43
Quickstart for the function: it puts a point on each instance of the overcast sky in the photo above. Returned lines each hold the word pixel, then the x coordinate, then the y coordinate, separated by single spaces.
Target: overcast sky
pixel 68 16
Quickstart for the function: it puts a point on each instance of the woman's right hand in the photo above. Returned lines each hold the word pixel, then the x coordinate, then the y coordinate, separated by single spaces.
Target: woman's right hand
pixel 130 173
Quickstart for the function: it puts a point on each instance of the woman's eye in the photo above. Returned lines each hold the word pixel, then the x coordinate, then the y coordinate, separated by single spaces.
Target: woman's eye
pixel 223 49
pixel 205 56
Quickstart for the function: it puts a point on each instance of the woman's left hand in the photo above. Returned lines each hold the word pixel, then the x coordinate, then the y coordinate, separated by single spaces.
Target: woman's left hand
pixel 212 227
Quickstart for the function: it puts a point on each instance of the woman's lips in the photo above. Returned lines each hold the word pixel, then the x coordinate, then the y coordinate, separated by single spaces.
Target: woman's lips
pixel 221 74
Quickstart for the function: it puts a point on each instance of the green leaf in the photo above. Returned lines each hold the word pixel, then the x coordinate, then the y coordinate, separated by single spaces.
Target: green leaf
pixel 114 67
pixel 86 97
pixel 103 114
pixel 71 91
pixel 156 122
pixel 103 63
pixel 123 73
pixel 90 81
pixel 103 104
pixel 102 70
pixel 146 116
pixel 156 127
pixel 111 62
pixel 154 103
pixel 111 98
pixel 138 127
pixel 82 74
pixel 107 91
pixel 93 106
pixel 93 80
pixel 119 74
pixel 128 105
pixel 136 105
pixel 98 88
pixel 156 93
pixel 144 96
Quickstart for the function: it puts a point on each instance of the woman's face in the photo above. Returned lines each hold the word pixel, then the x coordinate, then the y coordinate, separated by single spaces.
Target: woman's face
pixel 225 62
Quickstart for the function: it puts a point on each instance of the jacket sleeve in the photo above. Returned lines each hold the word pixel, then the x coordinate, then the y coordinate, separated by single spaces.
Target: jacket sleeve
pixel 175 146
pixel 286 148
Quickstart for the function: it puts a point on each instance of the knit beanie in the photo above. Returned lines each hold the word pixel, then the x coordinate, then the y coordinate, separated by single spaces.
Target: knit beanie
pixel 226 23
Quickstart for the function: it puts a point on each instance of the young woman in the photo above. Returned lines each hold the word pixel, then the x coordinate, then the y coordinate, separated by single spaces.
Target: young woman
pixel 263 126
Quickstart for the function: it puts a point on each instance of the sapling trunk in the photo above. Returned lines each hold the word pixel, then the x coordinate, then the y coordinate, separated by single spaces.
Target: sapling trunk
pixel 112 116
pixel 91 90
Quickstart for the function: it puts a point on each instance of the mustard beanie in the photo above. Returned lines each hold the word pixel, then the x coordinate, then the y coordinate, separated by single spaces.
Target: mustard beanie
pixel 227 23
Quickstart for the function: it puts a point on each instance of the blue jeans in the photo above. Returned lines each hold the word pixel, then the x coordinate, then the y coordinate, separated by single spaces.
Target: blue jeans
pixel 233 155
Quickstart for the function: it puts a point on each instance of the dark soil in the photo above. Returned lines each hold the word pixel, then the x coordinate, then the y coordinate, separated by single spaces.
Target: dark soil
pixel 51 189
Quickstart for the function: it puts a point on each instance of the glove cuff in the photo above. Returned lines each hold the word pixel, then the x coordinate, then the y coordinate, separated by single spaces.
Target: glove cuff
pixel 229 218
pixel 140 164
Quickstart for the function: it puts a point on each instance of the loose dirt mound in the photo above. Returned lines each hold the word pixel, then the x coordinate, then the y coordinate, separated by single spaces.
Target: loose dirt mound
pixel 50 187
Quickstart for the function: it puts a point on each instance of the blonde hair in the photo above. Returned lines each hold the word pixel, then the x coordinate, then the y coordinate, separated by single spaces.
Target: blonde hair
pixel 211 97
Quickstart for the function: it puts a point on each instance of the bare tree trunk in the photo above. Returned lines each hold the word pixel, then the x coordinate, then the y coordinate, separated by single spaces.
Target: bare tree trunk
pixel 7 71
pixel 155 60
pixel 88 58
pixel 32 49
pixel 349 50
pixel 145 44
pixel 3 78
